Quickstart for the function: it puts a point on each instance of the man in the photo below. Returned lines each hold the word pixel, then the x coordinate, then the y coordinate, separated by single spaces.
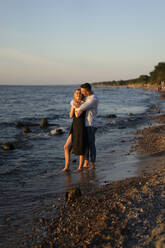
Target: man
pixel 90 106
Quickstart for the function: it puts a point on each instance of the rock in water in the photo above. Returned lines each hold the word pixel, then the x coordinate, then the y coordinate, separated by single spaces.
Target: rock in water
pixel 57 131
pixel 19 124
pixel 8 146
pixel 110 116
pixel 44 123
pixel 27 129
pixel 72 194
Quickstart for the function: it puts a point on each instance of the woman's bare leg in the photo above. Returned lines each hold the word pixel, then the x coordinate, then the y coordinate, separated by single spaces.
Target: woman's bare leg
pixel 86 163
pixel 67 152
pixel 81 159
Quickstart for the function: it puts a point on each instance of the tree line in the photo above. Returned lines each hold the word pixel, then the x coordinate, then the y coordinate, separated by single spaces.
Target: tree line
pixel 157 76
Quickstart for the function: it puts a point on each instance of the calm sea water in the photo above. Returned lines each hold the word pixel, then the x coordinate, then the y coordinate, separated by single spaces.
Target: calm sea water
pixel 30 175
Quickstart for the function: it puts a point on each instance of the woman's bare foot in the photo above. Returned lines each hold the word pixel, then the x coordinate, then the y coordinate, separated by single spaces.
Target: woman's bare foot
pixel 86 164
pixel 79 168
pixel 65 170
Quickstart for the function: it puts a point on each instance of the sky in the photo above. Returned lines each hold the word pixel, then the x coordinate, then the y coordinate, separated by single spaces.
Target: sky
pixel 57 42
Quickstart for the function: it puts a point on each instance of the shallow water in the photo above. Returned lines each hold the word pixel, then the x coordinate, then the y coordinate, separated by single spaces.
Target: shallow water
pixel 30 176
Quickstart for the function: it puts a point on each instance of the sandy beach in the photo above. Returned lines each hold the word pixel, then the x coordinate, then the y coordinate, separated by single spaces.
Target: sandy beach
pixel 127 213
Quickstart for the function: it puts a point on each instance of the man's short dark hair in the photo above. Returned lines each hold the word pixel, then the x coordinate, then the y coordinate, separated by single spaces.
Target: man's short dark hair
pixel 86 86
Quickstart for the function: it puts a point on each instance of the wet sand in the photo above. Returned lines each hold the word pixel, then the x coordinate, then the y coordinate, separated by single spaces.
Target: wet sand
pixel 127 213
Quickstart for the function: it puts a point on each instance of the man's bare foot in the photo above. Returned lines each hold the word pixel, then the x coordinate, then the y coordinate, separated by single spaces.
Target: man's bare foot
pixel 65 170
pixel 79 169
pixel 91 166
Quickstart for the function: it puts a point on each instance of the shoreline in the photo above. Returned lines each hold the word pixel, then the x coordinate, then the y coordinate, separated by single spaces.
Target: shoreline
pixel 126 213
pixel 133 86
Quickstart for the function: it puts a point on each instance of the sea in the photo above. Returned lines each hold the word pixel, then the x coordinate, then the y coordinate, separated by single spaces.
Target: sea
pixel 31 180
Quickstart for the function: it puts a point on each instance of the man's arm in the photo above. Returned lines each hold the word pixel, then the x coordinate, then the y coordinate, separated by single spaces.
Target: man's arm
pixel 87 105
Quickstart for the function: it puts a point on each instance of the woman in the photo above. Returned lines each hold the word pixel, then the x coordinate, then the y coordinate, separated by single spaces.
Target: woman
pixel 77 139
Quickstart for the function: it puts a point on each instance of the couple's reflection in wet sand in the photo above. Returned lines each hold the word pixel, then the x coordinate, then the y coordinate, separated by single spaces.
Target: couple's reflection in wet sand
pixel 86 179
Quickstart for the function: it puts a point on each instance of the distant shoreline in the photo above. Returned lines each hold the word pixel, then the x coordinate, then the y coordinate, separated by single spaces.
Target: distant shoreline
pixel 132 86
pixel 155 80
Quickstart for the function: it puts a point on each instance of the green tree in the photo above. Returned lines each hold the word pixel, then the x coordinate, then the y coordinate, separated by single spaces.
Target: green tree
pixel 158 74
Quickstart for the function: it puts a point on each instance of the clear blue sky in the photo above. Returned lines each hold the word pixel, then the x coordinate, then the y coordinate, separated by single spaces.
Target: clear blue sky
pixel 73 41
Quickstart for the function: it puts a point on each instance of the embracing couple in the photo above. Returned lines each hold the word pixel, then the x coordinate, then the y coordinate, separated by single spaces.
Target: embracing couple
pixel 81 139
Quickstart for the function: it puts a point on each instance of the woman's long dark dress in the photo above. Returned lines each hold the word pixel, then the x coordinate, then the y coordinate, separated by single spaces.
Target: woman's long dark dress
pixel 79 135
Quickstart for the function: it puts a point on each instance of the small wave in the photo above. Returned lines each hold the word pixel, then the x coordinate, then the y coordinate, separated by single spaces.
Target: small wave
pixel 154 108
pixel 49 174
pixel 53 116
pixel 57 131
pixel 4 123
pixel 14 171
pixel 31 134
pixel 7 124
pixel 31 119
pixel 127 122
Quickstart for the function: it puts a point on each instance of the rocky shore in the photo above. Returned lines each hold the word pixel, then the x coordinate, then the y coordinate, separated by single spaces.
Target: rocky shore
pixel 128 213
pixel 133 86
pixel 123 214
